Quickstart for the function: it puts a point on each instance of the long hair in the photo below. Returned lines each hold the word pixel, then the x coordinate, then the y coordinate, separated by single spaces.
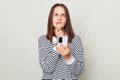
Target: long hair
pixel 67 28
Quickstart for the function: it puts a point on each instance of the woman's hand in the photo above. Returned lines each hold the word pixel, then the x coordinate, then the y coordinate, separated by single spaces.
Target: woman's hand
pixel 64 51
pixel 58 32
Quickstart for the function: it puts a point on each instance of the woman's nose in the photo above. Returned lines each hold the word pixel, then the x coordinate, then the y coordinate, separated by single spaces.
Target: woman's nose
pixel 60 17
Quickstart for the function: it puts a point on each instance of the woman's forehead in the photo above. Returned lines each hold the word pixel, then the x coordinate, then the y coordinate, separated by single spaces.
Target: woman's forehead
pixel 59 9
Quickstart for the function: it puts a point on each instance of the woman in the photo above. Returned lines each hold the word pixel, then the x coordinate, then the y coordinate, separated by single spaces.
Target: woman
pixel 59 61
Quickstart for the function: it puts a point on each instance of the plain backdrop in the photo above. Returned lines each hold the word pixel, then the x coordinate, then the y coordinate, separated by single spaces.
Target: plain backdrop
pixel 22 22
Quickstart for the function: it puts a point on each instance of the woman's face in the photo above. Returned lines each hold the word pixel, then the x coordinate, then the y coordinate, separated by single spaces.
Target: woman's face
pixel 59 17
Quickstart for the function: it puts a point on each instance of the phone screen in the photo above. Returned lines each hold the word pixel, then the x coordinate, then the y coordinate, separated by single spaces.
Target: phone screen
pixel 63 40
pixel 60 40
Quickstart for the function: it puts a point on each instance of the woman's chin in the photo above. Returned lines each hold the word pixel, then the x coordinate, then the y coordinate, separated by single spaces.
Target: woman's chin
pixel 59 27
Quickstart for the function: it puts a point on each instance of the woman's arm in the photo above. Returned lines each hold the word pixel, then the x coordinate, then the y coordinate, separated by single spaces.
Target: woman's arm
pixel 48 58
pixel 77 67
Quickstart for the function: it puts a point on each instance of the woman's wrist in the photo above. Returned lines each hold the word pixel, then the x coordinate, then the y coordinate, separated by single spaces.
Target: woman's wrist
pixel 67 57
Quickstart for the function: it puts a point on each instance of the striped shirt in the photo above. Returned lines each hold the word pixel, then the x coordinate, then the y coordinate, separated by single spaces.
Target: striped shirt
pixel 54 65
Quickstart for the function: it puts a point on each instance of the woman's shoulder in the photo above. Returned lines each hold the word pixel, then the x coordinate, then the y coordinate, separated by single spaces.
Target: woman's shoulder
pixel 43 41
pixel 76 37
pixel 77 42
pixel 42 38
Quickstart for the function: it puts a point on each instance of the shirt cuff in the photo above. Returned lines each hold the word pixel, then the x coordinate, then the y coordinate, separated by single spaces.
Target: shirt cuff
pixel 70 61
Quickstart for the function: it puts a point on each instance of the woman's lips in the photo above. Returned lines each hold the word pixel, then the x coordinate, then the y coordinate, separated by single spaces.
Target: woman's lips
pixel 59 23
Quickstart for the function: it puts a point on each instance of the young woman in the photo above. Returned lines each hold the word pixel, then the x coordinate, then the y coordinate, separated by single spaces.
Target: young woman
pixel 59 61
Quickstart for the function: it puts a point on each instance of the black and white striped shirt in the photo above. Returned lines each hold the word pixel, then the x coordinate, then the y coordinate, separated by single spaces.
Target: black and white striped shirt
pixel 54 65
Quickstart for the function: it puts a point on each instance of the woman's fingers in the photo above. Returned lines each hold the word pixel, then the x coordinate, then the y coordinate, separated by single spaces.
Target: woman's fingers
pixel 59 50
pixel 63 50
pixel 59 32
pixel 63 46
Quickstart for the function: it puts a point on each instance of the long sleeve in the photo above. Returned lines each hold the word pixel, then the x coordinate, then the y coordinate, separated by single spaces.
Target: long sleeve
pixel 48 58
pixel 77 67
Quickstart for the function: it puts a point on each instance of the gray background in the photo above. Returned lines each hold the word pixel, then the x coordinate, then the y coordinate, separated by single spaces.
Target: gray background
pixel 97 22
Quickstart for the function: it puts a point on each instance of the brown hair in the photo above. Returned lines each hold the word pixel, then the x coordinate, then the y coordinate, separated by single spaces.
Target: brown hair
pixel 68 26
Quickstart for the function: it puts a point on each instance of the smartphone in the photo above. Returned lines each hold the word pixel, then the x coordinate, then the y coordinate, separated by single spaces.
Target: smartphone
pixel 63 40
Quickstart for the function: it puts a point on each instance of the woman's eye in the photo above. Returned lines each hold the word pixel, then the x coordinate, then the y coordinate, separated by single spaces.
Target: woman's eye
pixel 63 15
pixel 55 14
